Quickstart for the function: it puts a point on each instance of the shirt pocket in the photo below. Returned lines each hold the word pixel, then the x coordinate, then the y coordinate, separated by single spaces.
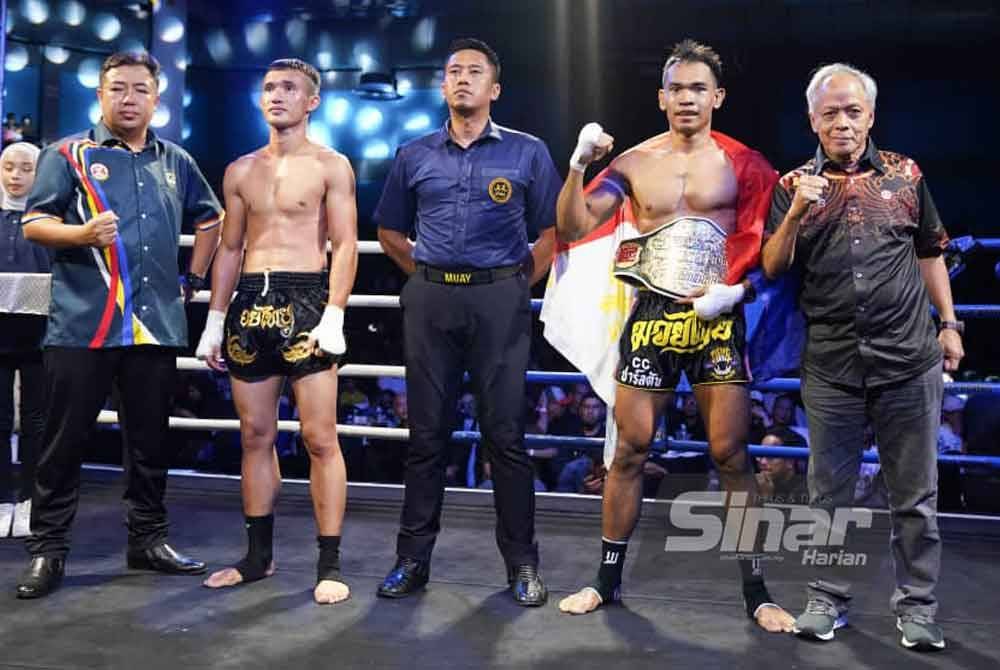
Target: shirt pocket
pixel 501 187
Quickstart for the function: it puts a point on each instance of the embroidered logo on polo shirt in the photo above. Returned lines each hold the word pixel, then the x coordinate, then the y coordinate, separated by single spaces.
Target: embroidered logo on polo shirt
pixel 99 171
pixel 500 190
pixel 171 179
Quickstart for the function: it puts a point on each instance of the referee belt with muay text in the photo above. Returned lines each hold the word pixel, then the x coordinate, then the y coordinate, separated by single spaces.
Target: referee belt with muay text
pixel 467 276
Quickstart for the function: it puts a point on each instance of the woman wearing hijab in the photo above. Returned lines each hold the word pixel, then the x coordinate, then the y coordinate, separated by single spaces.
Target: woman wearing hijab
pixel 20 345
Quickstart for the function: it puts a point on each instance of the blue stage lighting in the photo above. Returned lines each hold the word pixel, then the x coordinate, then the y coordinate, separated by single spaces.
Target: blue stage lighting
pixel 218 46
pixel 423 34
pixel 107 27
pixel 88 73
pixel 171 29
pixel 336 109
pixel 73 13
pixel 417 122
pixel 187 98
pixel 296 31
pixel 56 55
pixel 161 117
pixel 36 11
pixel 16 58
pixel 94 112
pixel 368 120
pixel 258 37
pixel 376 150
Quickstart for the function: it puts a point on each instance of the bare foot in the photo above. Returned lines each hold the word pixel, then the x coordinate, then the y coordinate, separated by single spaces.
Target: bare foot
pixel 774 619
pixel 584 601
pixel 230 577
pixel 330 592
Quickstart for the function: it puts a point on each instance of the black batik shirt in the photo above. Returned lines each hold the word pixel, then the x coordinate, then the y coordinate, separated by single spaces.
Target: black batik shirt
pixel 863 295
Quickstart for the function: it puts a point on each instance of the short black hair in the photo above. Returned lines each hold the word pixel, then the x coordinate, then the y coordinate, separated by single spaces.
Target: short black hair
pixel 311 73
pixel 690 51
pixel 788 437
pixel 590 394
pixel 123 58
pixel 482 47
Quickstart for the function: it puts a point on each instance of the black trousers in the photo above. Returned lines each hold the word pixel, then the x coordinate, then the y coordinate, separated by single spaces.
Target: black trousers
pixel 485 329
pixel 80 381
pixel 32 421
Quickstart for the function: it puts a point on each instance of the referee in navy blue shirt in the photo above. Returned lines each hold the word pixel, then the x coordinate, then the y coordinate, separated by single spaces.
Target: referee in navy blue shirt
pixel 473 193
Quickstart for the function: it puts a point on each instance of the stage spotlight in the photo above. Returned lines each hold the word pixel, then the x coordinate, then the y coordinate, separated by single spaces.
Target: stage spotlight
pixel 403 85
pixel 296 31
pixel 423 34
pixel 171 30
pixel 330 76
pixel 187 98
pixel 56 55
pixel 182 62
pixel 368 120
pixel 365 61
pixel 324 52
pixel 94 113
pixel 161 117
pixel 107 27
pixel 218 47
pixel 16 59
pixel 36 11
pixel 417 122
pixel 320 134
pixel 258 37
pixel 336 110
pixel 89 73
pixel 186 131
pixel 164 81
pixel 73 13
pixel 375 150
pixel 377 86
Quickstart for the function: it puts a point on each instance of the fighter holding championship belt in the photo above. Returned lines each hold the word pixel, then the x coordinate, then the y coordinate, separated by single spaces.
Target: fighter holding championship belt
pixel 699 199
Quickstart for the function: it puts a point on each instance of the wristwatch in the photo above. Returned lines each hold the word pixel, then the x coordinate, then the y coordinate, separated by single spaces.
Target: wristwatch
pixel 195 282
pixel 957 326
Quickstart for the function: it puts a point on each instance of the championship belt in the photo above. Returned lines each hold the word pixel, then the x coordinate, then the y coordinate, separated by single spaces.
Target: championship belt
pixel 676 259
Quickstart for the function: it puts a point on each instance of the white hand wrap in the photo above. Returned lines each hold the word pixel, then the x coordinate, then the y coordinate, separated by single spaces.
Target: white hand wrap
pixel 210 343
pixel 590 134
pixel 718 299
pixel 329 334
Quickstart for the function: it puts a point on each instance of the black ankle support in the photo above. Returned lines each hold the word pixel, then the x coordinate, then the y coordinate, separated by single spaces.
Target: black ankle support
pixel 755 594
pixel 260 542
pixel 328 564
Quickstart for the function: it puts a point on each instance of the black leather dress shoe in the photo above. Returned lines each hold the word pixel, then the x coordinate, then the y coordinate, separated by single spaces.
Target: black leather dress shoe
pixel 163 558
pixel 527 586
pixel 406 578
pixel 43 576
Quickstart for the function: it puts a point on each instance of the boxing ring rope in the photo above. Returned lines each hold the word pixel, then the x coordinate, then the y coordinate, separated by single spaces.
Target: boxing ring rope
pixel 776 385
pixel 388 301
pixel 108 417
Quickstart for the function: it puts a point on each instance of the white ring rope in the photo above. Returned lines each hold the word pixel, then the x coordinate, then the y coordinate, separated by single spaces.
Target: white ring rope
pixel 352 301
pixel 364 246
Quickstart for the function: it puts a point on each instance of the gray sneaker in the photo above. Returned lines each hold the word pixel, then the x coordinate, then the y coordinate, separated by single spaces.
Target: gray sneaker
pixel 920 632
pixel 819 620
